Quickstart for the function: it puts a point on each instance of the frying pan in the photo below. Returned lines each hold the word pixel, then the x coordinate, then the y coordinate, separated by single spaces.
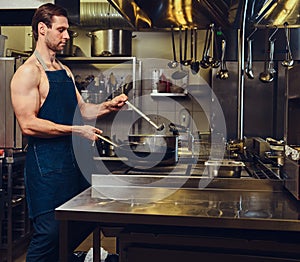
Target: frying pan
pixel 144 153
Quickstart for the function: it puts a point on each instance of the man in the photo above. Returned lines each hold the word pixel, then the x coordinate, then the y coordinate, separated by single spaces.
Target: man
pixel 45 99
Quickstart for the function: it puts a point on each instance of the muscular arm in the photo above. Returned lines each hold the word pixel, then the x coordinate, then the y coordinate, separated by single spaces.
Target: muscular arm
pixel 26 101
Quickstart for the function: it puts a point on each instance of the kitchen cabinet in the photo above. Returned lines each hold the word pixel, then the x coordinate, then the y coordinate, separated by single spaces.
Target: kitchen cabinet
pixel 15 225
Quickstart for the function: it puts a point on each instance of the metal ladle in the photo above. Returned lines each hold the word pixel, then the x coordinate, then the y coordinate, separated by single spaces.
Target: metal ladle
pixel 186 61
pixel 271 68
pixel 249 69
pixel 206 59
pixel 174 63
pixel 215 62
pixel 195 65
pixel 158 128
pixel 180 73
pixel 271 62
pixel 288 59
pixel 223 72
pixel 267 75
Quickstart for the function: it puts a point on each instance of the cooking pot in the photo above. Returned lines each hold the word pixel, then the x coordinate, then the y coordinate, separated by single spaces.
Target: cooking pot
pixel 2 44
pixel 111 42
pixel 68 48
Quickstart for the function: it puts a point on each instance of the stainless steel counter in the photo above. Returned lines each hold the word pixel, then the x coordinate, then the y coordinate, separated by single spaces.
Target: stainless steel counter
pixel 255 208
pixel 227 204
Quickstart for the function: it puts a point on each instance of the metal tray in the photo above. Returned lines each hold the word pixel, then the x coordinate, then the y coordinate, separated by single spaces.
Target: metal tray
pixel 224 168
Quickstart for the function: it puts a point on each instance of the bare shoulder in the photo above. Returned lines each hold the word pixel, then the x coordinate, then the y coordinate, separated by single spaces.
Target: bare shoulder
pixel 30 67
pixel 28 74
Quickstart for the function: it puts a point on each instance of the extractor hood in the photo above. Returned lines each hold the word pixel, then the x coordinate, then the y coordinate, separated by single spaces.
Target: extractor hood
pixel 164 14
pixel 277 13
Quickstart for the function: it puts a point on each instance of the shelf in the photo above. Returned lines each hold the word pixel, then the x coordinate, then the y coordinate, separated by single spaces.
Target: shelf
pixel 104 60
pixel 168 94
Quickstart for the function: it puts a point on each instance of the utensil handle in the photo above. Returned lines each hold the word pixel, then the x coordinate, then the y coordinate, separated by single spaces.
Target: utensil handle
pixel 195 43
pixel 192 44
pixel 107 140
pixel 287 36
pixel 185 44
pixel 223 63
pixel 141 114
pixel 173 44
pixel 180 45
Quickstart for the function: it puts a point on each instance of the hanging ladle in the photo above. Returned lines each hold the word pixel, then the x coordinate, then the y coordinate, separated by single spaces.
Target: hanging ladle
pixel 206 59
pixel 195 64
pixel 223 72
pixel 174 63
pixel 186 62
pixel 249 67
pixel 191 61
pixel 267 75
pixel 288 59
pixel 215 62
pixel 180 73
pixel 271 68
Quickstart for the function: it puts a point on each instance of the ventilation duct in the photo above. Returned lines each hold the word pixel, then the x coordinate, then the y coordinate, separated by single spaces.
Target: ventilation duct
pixel 101 15
pixel 277 13
pixel 164 14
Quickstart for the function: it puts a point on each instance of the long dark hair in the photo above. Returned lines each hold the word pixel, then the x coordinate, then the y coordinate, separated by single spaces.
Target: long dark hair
pixel 44 14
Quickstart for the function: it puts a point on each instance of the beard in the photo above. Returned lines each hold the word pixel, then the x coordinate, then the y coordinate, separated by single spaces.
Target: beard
pixel 55 47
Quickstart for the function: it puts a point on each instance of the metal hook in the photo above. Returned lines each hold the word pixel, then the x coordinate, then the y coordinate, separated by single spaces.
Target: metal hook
pixel 252 33
pixel 270 38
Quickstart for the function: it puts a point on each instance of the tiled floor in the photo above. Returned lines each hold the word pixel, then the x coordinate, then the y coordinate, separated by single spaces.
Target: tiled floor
pixel 108 243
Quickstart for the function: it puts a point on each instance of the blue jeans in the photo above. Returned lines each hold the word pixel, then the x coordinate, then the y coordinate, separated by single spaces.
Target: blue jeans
pixel 44 245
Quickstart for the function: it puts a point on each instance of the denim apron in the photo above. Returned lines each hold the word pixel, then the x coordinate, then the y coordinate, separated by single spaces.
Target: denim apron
pixel 52 175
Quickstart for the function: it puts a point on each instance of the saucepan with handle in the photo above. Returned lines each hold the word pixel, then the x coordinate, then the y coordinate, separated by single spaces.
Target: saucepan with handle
pixel 146 150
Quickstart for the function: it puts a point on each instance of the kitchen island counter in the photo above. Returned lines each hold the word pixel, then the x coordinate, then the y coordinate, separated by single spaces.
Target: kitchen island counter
pixel 259 216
